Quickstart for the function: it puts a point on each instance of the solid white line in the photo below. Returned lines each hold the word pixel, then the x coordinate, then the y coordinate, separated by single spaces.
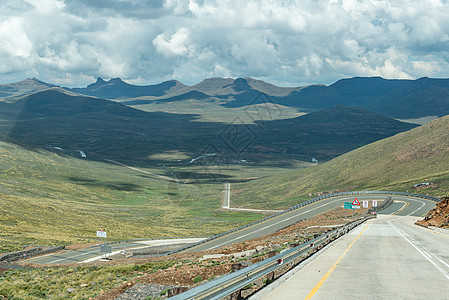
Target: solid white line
pixel 251 209
pixel 99 257
pixel 427 254
pixel 410 199
pixel 60 259
pixel 395 212
pixel 417 208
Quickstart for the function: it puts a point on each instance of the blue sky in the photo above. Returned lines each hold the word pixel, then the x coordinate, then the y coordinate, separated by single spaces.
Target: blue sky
pixel 288 43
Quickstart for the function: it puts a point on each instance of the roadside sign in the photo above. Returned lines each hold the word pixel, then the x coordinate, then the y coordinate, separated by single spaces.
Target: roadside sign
pixel 356 203
pixel 374 203
pixel 101 234
pixel 348 205
pixel 365 203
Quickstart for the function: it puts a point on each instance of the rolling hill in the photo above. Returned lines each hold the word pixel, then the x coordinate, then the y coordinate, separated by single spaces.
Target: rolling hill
pixel 24 87
pixel 328 133
pixel 105 129
pixel 395 163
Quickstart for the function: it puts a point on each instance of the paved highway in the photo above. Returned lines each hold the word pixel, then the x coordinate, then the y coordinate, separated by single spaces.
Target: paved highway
pixel 385 258
pixel 401 206
pixel 93 253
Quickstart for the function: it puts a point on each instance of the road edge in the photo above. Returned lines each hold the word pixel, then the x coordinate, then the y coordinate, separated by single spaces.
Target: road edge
pixel 261 294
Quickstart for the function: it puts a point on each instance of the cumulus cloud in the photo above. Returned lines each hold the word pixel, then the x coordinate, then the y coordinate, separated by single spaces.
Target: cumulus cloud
pixel 288 42
pixel 177 44
pixel 15 46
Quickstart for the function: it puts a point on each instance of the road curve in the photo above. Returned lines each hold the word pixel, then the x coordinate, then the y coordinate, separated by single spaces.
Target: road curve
pixel 403 205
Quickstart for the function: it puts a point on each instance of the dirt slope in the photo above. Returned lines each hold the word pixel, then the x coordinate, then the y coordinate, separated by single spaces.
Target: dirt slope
pixel 439 216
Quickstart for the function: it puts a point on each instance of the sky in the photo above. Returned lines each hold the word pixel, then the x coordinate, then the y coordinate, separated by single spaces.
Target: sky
pixel 285 42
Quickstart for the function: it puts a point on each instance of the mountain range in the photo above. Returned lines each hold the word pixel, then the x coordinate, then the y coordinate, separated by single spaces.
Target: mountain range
pixel 104 129
pixel 404 99
pixel 395 98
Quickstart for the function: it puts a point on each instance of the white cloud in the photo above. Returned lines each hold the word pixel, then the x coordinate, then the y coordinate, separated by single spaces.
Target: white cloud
pixel 177 44
pixel 15 46
pixel 304 41
pixel 427 67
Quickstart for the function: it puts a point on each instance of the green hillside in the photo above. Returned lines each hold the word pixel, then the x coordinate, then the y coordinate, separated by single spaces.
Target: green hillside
pixel 395 163
pixel 48 199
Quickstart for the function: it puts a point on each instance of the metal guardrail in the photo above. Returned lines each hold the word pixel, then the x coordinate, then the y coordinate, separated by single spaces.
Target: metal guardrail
pixel 386 203
pixel 302 204
pixel 233 282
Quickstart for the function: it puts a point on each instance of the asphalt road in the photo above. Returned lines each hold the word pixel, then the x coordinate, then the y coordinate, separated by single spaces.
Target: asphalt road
pixel 93 253
pixel 385 258
pixel 401 206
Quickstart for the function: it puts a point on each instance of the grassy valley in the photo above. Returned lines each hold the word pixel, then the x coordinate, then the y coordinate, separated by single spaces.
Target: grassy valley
pixel 61 155
pixel 49 199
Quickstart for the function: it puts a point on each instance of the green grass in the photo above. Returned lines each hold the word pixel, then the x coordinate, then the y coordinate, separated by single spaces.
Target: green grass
pixel 396 163
pixel 48 199
pixel 54 283
pixel 213 111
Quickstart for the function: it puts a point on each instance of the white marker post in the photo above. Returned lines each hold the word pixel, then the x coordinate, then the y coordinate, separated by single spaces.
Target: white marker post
pixel 101 234
pixel 374 204
pixel 365 205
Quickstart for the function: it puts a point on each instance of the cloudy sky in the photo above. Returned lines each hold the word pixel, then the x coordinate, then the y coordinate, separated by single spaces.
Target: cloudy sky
pixel 289 43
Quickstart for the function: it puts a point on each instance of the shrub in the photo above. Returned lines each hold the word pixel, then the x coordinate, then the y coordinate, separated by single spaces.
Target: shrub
pixel 197 279
pixel 38 294
pixel 164 292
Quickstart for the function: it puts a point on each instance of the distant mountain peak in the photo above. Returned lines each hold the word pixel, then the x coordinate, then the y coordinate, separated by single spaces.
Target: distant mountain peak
pixel 116 80
pixel 100 81
pixel 34 81
pixel 239 84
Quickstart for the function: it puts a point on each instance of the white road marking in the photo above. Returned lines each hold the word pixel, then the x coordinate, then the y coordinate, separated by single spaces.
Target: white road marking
pixel 422 204
pixel 146 244
pixel 425 253
pixel 83 253
pixel 405 203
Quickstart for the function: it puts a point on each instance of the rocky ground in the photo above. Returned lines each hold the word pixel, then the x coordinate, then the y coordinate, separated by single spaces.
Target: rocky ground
pixel 192 269
pixel 439 216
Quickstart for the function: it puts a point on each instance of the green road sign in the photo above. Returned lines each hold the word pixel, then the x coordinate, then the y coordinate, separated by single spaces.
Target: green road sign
pixel 348 205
